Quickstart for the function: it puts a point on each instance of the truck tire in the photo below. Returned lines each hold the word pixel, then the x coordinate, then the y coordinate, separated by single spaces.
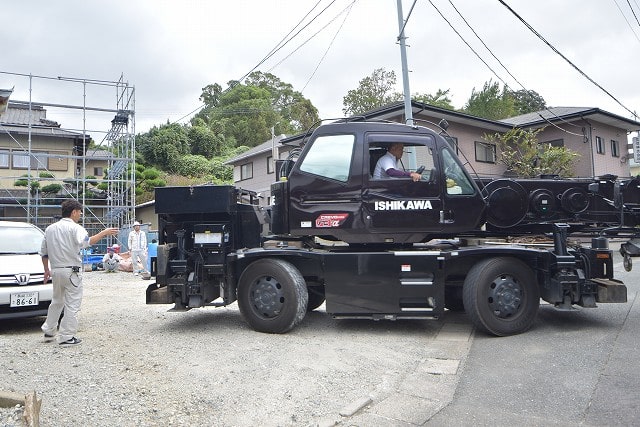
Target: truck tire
pixel 501 296
pixel 272 296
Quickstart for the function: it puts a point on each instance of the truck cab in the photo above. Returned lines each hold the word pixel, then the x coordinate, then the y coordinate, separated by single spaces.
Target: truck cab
pixel 331 191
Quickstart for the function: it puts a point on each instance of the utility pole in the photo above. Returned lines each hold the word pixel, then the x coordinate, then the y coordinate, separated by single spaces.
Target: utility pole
pixel 408 112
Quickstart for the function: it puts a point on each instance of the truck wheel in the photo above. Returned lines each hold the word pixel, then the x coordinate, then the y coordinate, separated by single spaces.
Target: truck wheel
pixel 272 296
pixel 501 296
pixel 316 297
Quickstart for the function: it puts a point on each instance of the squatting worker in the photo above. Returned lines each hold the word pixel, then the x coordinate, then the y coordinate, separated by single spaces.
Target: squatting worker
pixel 387 166
pixel 138 248
pixel 111 261
pixel 62 263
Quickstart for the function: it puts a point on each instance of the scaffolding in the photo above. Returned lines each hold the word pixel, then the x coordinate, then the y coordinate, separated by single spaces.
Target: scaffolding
pixel 109 200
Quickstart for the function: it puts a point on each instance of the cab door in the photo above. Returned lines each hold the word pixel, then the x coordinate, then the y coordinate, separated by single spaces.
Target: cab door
pixel 324 193
pixel 398 208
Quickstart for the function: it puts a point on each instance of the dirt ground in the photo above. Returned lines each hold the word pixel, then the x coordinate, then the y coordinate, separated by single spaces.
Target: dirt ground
pixel 140 364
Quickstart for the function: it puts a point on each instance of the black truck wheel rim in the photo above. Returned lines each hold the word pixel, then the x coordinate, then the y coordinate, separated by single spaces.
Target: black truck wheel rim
pixel 505 296
pixel 267 297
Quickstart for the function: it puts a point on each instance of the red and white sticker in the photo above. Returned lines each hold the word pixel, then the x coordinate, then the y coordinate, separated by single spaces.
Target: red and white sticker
pixel 331 220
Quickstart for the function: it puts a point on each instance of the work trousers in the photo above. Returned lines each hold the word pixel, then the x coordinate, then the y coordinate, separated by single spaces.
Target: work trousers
pixel 139 255
pixel 67 295
pixel 111 265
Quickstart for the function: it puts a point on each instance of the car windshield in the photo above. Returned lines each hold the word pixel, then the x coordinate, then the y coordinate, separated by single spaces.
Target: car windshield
pixel 20 240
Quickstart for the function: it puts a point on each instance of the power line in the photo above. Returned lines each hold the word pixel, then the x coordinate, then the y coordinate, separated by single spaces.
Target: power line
pixel 634 13
pixel 273 51
pixel 350 6
pixel 626 20
pixel 468 45
pixel 564 57
pixel 512 76
pixel 315 34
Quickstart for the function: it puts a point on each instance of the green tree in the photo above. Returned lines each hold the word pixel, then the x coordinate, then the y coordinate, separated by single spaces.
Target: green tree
pixel 491 102
pixel 244 113
pixel 373 91
pixel 528 101
pixel 204 141
pixel 221 173
pixel 296 112
pixel 211 95
pixel 32 184
pixel 163 146
pixel 193 166
pixel 440 99
pixel 522 154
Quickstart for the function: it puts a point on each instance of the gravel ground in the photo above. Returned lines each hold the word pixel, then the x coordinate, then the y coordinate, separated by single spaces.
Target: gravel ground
pixel 141 365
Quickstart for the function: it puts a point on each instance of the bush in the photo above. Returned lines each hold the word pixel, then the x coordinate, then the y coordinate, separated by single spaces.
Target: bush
pixel 51 189
pixel 193 166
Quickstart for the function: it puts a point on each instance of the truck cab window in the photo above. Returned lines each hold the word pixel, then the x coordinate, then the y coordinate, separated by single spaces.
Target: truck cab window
pixel 413 157
pixel 457 182
pixel 330 157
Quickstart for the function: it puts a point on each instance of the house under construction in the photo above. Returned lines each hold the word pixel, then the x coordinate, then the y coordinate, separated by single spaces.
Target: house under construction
pixel 43 162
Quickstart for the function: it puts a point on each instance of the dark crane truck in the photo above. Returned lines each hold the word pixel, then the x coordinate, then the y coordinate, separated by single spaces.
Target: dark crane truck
pixel 390 249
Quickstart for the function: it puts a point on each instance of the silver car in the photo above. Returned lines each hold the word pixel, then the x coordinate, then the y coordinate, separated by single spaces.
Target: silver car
pixel 22 293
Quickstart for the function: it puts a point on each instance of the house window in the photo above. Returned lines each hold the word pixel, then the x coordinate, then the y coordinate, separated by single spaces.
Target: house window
pixel 246 171
pixel 485 152
pixel 22 160
pixel 615 148
pixel 4 159
pixel 600 149
pixel 58 161
pixel 98 171
pixel 453 143
pixel 19 160
pixel 270 166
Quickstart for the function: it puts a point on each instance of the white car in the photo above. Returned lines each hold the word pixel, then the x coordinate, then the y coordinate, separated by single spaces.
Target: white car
pixel 22 293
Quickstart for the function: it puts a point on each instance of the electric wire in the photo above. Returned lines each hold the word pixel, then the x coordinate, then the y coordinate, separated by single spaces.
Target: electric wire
pixel 281 45
pixel 513 77
pixel 324 55
pixel 273 51
pixel 626 20
pixel 634 12
pixel 468 45
pixel 348 8
pixel 564 57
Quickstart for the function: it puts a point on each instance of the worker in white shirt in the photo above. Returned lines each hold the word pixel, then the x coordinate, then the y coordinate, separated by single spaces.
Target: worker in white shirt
pixel 138 248
pixel 111 261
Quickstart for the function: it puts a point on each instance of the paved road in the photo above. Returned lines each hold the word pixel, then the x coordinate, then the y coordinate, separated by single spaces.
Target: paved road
pixel 572 368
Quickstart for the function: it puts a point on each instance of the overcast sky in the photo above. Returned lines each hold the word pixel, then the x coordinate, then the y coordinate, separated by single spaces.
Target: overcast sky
pixel 169 50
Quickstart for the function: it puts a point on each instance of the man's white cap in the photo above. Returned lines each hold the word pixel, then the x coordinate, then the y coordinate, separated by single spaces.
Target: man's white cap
pixel 136 223
pixel 115 246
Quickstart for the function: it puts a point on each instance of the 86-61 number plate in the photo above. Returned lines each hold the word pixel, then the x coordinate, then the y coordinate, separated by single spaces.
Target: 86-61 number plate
pixel 24 299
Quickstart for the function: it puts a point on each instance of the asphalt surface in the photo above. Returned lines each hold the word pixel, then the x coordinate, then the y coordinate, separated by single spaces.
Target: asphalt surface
pixel 578 368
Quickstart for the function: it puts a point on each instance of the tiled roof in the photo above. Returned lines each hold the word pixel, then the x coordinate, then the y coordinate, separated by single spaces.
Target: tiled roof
pixel 551 113
pixel 97 153
pixel 18 116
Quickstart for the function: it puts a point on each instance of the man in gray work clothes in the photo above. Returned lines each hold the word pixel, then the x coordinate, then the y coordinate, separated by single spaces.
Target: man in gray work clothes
pixel 62 263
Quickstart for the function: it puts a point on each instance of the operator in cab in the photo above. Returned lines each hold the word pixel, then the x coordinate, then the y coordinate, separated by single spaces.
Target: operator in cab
pixel 387 166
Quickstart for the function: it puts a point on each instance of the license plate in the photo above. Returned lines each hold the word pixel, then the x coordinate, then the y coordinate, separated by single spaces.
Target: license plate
pixel 24 299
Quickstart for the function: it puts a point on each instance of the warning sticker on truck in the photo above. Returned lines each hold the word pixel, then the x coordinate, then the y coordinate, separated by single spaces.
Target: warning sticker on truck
pixel 331 220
